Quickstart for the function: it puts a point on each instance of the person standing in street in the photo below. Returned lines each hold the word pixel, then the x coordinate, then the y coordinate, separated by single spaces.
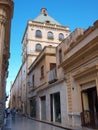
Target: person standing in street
pixel 13 112
pixel 8 112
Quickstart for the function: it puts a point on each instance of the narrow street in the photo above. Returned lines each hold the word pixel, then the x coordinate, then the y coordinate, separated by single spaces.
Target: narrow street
pixel 23 123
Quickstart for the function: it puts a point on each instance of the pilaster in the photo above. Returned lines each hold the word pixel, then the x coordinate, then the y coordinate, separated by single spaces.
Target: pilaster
pixel 6 11
pixel 2 39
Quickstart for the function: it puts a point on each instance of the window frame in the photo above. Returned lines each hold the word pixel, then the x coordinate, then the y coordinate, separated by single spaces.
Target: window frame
pixel 38 48
pixel 61 36
pixel 60 56
pixel 52 66
pixel 38 34
pixel 33 80
pixel 42 72
pixel 50 35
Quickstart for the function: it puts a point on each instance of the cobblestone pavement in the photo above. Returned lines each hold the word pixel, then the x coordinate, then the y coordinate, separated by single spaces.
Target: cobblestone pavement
pixel 23 123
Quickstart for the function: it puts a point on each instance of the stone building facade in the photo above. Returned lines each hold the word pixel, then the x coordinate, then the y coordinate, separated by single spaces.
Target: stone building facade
pixel 6 14
pixel 66 91
pixel 80 63
pixel 40 32
pixel 69 94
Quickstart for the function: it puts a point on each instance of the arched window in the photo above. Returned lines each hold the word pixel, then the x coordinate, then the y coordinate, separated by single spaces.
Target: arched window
pixel 38 33
pixel 38 47
pixel 50 35
pixel 61 36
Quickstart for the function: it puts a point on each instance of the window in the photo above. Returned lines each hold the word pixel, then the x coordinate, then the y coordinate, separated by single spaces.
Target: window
pixel 33 80
pixel 47 21
pixel 42 72
pixel 38 47
pixel 52 66
pixel 60 56
pixel 50 35
pixel 61 37
pixel 38 33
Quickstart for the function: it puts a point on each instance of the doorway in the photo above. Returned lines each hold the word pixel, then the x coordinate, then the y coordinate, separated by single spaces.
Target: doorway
pixel 33 107
pixel 90 107
pixel 55 107
pixel 43 108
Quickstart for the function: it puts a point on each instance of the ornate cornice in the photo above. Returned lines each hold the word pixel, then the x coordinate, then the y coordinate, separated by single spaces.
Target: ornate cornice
pixel 2 19
pixel 35 23
pixel 8 6
pixel 87 71
pixel 82 56
pixel 82 37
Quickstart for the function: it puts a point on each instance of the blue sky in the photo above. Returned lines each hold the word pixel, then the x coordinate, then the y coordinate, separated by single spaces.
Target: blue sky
pixel 72 13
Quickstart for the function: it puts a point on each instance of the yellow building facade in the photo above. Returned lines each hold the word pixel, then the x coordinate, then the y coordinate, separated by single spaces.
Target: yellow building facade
pixel 80 64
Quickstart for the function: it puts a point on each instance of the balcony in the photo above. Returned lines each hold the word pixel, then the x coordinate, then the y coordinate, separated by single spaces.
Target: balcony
pixel 52 76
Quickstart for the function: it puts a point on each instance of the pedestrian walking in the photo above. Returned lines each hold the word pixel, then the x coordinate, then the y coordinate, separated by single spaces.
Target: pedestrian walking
pixel 13 112
pixel 8 112
pixel 5 113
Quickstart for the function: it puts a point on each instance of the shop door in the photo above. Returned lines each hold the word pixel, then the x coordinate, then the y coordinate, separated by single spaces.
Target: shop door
pixel 55 107
pixel 90 108
pixel 43 108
